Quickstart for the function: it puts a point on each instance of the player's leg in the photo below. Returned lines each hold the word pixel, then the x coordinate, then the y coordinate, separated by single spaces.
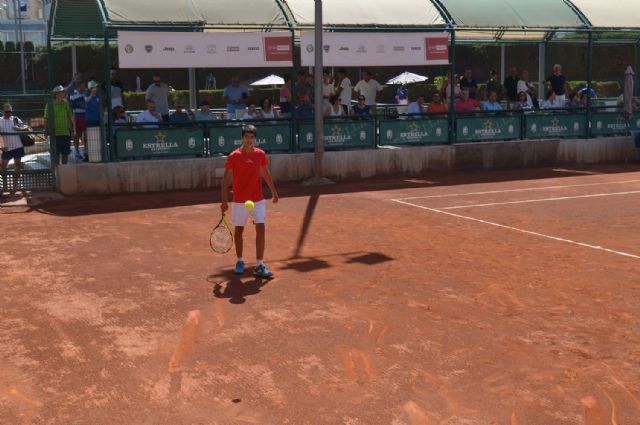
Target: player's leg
pixel 260 241
pixel 239 216
pixel 17 164
pixel 259 213
pixel 237 238
pixel 3 167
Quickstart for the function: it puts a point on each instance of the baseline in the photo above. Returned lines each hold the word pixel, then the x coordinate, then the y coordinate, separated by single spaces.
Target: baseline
pixel 516 229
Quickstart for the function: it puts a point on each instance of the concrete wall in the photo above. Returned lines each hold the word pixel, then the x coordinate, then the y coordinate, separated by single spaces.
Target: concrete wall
pixel 199 173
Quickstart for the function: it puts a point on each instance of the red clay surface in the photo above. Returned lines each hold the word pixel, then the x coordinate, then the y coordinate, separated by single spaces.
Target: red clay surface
pixel 115 311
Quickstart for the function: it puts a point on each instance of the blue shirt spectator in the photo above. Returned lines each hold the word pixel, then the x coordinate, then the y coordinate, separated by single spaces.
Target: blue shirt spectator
pixel 92 105
pixel 415 108
pixel 360 108
pixel 235 95
pixel 179 115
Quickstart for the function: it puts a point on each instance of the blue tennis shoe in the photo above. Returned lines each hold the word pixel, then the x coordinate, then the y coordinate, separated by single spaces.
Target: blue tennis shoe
pixel 239 267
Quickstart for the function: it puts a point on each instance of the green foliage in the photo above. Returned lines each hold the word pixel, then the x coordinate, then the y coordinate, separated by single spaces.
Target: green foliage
pixel 1 46
pixel 10 46
pixel 28 46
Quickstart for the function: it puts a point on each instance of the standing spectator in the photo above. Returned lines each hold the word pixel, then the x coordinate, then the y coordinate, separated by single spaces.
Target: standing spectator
pixel 75 82
pixel 210 82
pixel 436 105
pixel 415 108
pixel 360 108
pixel 78 105
pixel 285 96
pixel 344 90
pixel 158 92
pixel 525 86
pixel 304 94
pixel 149 115
pixel 236 97
pixel 511 85
pixel 465 103
pixel 402 95
pixel 446 87
pixel 92 105
pixel 12 147
pixel 491 104
pixel 63 123
pixel 493 84
pixel 204 114
pixel 117 89
pixel 179 115
pixel 335 108
pixel 327 89
pixel 558 83
pixel 470 83
pixel 369 88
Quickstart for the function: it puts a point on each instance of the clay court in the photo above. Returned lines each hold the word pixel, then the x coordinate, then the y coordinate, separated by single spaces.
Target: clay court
pixel 466 298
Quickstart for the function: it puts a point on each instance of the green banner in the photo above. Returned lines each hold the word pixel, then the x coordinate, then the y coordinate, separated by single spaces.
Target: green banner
pixel 149 142
pixel 488 128
pixel 608 123
pixel 634 122
pixel 339 134
pixel 407 132
pixel 556 125
pixel 270 138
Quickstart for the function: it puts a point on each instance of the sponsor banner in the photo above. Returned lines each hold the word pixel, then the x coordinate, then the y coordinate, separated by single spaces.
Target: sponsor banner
pixel 634 122
pixel 603 123
pixel 159 142
pixel 557 125
pixel 339 134
pixel 270 138
pixel 204 49
pixel 407 132
pixel 377 49
pixel 488 128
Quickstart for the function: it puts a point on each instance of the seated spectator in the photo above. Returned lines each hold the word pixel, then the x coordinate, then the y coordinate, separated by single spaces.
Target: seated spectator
pixel 436 105
pixel 522 103
pixel 360 108
pixel 266 109
pixel 118 115
pixel 179 115
pixel 583 92
pixel 204 114
pixel 251 113
pixel 575 102
pixel 467 81
pixel 493 84
pixel 550 101
pixel 491 104
pixel 149 115
pixel 335 109
pixel 465 103
pixel 415 108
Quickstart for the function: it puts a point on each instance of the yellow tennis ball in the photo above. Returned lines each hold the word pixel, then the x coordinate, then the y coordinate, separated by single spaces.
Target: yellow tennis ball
pixel 249 205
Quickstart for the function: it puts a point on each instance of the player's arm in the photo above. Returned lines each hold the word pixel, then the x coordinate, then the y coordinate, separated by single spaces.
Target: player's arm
pixel 228 174
pixel 266 175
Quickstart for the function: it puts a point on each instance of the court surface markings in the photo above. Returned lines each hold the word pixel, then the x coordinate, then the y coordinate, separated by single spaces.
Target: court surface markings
pixel 516 229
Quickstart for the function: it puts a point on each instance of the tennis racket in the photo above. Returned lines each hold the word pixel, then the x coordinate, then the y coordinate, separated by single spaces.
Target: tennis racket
pixel 221 239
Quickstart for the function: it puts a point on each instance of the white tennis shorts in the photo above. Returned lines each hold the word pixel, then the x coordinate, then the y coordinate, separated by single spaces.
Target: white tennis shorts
pixel 239 214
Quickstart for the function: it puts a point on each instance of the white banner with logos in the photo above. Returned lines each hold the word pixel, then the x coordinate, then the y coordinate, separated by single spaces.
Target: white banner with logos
pixel 377 49
pixel 204 49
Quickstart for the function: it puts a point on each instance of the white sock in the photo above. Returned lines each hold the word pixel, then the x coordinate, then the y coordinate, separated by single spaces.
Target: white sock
pixel 240 259
pixel 260 263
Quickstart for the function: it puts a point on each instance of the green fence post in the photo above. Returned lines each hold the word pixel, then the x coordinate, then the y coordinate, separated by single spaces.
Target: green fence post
pixel 589 83
pixel 452 94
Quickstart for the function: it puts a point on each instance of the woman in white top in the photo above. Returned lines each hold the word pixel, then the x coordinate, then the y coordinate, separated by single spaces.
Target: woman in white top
pixel 335 109
pixel 327 88
pixel 267 110
pixel 12 147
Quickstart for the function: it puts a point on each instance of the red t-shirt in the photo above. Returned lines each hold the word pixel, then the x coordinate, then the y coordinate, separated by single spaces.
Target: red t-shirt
pixel 247 184
pixel 468 106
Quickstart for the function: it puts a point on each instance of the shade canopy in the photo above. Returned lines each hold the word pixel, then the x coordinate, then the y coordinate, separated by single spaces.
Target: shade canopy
pixel 407 78
pixel 270 80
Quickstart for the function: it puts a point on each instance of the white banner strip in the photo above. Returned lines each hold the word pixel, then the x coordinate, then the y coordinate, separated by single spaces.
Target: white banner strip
pixel 377 49
pixel 204 49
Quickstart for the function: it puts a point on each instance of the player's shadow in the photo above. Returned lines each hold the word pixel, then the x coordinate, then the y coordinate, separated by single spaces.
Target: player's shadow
pixel 236 287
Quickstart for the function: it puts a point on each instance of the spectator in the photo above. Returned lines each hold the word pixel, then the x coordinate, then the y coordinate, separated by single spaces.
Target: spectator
pixel 266 109
pixel 360 108
pixel 402 95
pixel 551 101
pixel 235 96
pixel 251 112
pixel 511 85
pixel 304 93
pixel 92 105
pixel 493 85
pixel 78 105
pixel 491 104
pixel 119 115
pixel 575 103
pixel 335 108
pixel 210 82
pixel 158 92
pixel 285 96
pixel 117 89
pixel 446 87
pixel 465 103
pixel 12 147
pixel 369 88
pixel 436 105
pixel 75 82
pixel 468 81
pixel 149 115
pixel 522 103
pixel 525 86
pixel 583 93
pixel 327 88
pixel 179 115
pixel 63 123
pixel 558 83
pixel 344 90
pixel 204 114
pixel 415 109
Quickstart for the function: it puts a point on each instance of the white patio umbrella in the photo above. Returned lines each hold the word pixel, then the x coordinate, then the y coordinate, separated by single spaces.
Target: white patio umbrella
pixel 270 80
pixel 628 91
pixel 406 78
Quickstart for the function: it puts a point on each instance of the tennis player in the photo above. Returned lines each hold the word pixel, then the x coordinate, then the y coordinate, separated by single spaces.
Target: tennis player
pixel 247 166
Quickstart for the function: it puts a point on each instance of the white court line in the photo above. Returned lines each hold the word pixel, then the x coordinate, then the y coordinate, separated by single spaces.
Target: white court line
pixel 555 238
pixel 451 195
pixel 595 195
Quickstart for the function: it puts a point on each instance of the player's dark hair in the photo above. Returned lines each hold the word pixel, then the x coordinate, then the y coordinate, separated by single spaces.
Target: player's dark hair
pixel 249 128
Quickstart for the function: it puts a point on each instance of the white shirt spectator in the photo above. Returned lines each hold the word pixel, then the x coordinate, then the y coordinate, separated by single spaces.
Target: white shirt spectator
pixel 524 86
pixel 147 116
pixel 345 94
pixel 369 89
pixel 7 126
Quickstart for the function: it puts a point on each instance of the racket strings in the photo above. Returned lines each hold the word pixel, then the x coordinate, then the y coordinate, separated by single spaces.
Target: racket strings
pixel 221 239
